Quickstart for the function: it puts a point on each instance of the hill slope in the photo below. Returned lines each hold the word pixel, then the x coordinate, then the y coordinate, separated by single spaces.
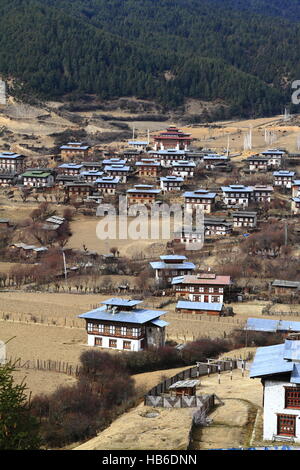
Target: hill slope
pixel 244 54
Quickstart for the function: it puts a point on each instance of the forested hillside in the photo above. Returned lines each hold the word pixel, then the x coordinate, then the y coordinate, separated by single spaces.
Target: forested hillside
pixel 242 53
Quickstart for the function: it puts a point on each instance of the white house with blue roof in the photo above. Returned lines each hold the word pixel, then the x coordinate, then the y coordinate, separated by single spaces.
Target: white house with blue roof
pixel 278 367
pixel 122 324
pixel 171 266
pixel 237 195
pixel 199 199
pixel 284 178
pixel 11 162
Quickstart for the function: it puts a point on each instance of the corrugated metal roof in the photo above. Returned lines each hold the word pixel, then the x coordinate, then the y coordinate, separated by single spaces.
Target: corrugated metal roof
pixel 282 283
pixel 162 265
pixel 291 350
pixel 269 360
pixel 139 316
pixel 261 324
pixel 197 279
pixel 121 302
pixel 186 304
pixel 160 323
pixel 184 384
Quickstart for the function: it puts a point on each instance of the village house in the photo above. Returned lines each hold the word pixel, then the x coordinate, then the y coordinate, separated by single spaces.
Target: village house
pixel 244 219
pixel 295 205
pixel 79 189
pixel 38 178
pixel 171 266
pixel 90 176
pixel 199 199
pixel 71 169
pixel 11 162
pixel 107 184
pixel 8 179
pixel 62 180
pixel 237 195
pixel 258 163
pixel 183 168
pixel 167 157
pixel 172 138
pixel 192 238
pixel 74 149
pixel 142 194
pixel 120 170
pixel 296 188
pixel 278 367
pixel 212 161
pixel 207 308
pixel 217 226
pixel 283 178
pixel 275 157
pixel 123 325
pixel 139 144
pixel 132 155
pixel 91 166
pixel 171 183
pixel 148 167
pixel 262 193
pixel 202 287
pixel 114 161
pixel 24 251
pixel 289 288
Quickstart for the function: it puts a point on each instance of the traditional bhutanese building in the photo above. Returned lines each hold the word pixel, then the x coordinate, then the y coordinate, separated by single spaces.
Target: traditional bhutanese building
pixel 91 166
pixel 79 189
pixel 116 169
pixel 237 195
pixel 296 205
pixel 282 287
pixel 8 179
pixel 148 167
pixel 11 162
pixel 171 183
pixel 74 149
pixel 172 138
pixel 70 169
pixel 142 194
pixel 262 193
pixel 204 287
pixel 258 163
pixel 283 178
pixel 296 188
pixel 90 176
pixel 123 325
pixel 37 178
pixel 216 226
pixel 244 219
pixel 278 367
pixel 107 184
pixel 183 168
pixel 200 198
pixel 167 156
pixel 211 161
pixel 207 308
pixel 275 157
pixel 171 266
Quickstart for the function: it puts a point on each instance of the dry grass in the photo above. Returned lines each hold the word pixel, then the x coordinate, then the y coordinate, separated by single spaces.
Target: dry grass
pixel 38 382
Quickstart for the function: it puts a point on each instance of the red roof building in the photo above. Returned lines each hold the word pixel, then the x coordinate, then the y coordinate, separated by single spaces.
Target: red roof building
pixel 172 138
pixel 204 287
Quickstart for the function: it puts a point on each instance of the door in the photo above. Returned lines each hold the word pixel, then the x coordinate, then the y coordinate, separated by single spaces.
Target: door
pixel 286 425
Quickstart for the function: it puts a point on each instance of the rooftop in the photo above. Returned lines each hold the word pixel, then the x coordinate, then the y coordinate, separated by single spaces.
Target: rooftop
pixel 201 279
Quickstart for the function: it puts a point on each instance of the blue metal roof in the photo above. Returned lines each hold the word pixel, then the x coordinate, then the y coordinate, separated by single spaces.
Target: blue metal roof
pixel 172 257
pixel 270 360
pixel 170 178
pixel 237 188
pixel 184 163
pixel 10 155
pixel 199 194
pixel 263 324
pixel 186 304
pixel 139 316
pixel 116 167
pixel 108 179
pixel 71 165
pixel 162 265
pixel 284 173
pixel 291 350
pixel 121 302
pixel 160 323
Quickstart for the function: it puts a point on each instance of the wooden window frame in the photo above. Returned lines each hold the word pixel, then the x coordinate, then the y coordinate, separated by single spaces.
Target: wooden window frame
pixel 292 398
pixel 282 416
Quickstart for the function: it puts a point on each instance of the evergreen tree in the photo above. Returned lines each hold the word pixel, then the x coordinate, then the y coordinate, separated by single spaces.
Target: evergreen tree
pixel 18 429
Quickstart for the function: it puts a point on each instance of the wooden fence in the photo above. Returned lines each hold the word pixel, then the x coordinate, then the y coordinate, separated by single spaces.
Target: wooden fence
pixel 46 365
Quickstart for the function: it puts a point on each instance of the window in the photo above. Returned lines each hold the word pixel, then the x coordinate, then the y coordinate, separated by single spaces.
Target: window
pixel 286 425
pixel 98 341
pixel 292 397
pixel 90 326
pixel 112 343
pixel 101 328
pixel 112 329
pixel 127 345
pixel 123 330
